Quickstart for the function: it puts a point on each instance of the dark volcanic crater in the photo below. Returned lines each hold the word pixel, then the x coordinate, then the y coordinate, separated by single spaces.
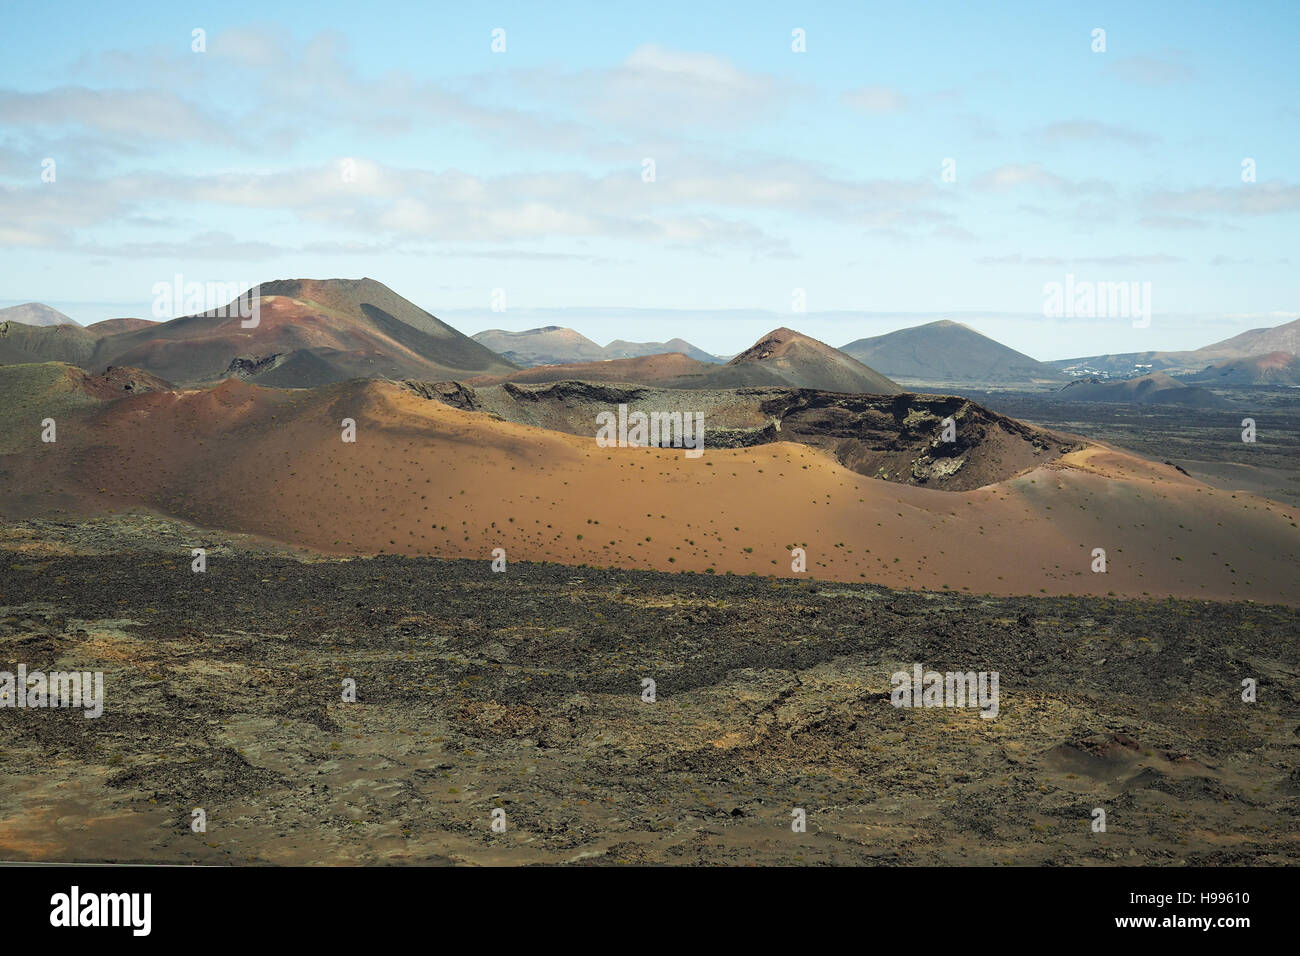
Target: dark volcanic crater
pixel 894 437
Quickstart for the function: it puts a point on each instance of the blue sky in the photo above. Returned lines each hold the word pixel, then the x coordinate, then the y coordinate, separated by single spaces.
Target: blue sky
pixel 389 140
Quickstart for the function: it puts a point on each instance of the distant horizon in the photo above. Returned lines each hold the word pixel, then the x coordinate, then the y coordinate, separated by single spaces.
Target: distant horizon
pixel 727 335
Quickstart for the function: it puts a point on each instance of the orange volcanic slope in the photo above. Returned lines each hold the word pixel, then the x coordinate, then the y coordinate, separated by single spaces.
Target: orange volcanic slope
pixel 424 478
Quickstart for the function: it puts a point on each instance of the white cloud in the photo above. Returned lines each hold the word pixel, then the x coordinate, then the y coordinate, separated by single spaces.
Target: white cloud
pixel 154 114
pixel 1084 131
pixel 876 99
pixel 1015 175
pixel 214 245
pixel 1247 199
pixel 704 202
pixel 661 90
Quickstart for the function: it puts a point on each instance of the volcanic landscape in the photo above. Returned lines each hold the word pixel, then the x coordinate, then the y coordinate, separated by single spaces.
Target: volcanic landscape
pixel 380 499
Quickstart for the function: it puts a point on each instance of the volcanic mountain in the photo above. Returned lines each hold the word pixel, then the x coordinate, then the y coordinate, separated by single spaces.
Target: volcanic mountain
pixel 1256 342
pixel 1156 388
pixel 947 352
pixel 309 332
pixel 787 357
pixel 620 349
pixel 1275 368
pixel 782 358
pixel 550 345
pixel 1280 338
pixel 554 345
pixel 35 313
pixel 424 477
pixel 21 343
pixel 118 326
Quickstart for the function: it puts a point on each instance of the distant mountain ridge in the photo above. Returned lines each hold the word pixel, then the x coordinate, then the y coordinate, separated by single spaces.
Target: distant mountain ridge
pixel 621 349
pixel 557 345
pixel 1279 338
pixel 1246 345
pixel 1275 368
pixel 35 313
pixel 782 358
pixel 314 332
pixel 548 345
pixel 946 352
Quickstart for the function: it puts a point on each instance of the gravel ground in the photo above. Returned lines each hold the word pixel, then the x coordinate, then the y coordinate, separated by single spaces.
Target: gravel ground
pixel 522 692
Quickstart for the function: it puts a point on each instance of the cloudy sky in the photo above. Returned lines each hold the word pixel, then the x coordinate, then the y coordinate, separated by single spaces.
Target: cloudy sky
pixel 391 140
